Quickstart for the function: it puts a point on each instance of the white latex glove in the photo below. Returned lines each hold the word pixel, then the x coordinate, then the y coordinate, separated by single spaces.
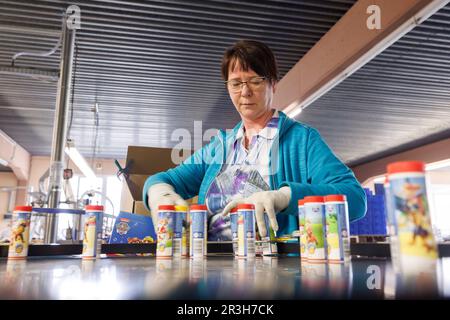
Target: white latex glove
pixel 162 194
pixel 268 201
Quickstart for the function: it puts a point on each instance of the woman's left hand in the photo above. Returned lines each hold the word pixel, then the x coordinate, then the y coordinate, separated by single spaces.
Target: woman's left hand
pixel 268 201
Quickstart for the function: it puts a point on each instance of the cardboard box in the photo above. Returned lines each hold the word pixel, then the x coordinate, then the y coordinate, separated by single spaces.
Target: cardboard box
pixel 143 162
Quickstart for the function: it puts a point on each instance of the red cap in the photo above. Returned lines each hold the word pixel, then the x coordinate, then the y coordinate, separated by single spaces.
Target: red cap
pixel 23 208
pixel 335 197
pixel 93 208
pixel 406 166
pixel 234 210
pixel 198 207
pixel 245 206
pixel 166 207
pixel 313 199
pixel 301 202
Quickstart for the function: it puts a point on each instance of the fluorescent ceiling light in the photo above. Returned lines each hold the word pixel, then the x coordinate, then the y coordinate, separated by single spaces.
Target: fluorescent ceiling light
pixel 379 179
pixel 80 162
pixel 438 165
pixel 3 162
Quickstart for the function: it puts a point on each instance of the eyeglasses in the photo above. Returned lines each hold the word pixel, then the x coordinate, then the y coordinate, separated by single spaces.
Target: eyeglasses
pixel 254 83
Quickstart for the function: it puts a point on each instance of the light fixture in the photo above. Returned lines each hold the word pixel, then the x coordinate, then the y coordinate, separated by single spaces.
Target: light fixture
pixel 79 160
pixel 408 25
pixel 3 162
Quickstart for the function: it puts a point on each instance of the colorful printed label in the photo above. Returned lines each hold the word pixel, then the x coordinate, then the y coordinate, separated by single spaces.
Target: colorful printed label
pixel 164 246
pixel 315 231
pixel 314 276
pixel 133 228
pixel 198 234
pixel 18 247
pixel 246 233
pixel 269 246
pixel 302 231
pixel 179 217
pixel 339 279
pixel 412 217
pixel 337 227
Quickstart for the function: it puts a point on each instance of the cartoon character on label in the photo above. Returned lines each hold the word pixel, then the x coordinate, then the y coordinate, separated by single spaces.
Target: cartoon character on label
pixel 415 210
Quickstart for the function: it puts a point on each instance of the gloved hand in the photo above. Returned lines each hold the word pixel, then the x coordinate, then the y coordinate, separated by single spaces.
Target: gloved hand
pixel 268 201
pixel 162 194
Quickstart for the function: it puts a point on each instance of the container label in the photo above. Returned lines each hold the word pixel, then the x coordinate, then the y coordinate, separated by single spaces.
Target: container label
pixel 185 235
pixel 268 245
pixel 179 219
pixel 234 232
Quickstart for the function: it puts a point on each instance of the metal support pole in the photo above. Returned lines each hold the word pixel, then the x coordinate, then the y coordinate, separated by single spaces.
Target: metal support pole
pixel 60 130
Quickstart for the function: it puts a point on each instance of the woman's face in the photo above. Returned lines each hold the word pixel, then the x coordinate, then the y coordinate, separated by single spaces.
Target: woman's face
pixel 250 103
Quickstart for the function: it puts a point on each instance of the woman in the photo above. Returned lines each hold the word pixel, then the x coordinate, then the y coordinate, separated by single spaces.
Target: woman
pixel 268 159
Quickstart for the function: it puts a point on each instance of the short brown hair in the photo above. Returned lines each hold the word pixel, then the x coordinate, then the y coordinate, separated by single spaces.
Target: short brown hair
pixel 253 55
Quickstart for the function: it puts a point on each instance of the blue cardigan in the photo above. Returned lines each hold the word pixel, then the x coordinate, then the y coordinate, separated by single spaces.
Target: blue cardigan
pixel 305 163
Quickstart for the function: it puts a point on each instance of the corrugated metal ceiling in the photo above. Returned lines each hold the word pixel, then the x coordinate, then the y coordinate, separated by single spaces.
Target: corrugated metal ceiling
pixel 153 66
pixel 399 100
